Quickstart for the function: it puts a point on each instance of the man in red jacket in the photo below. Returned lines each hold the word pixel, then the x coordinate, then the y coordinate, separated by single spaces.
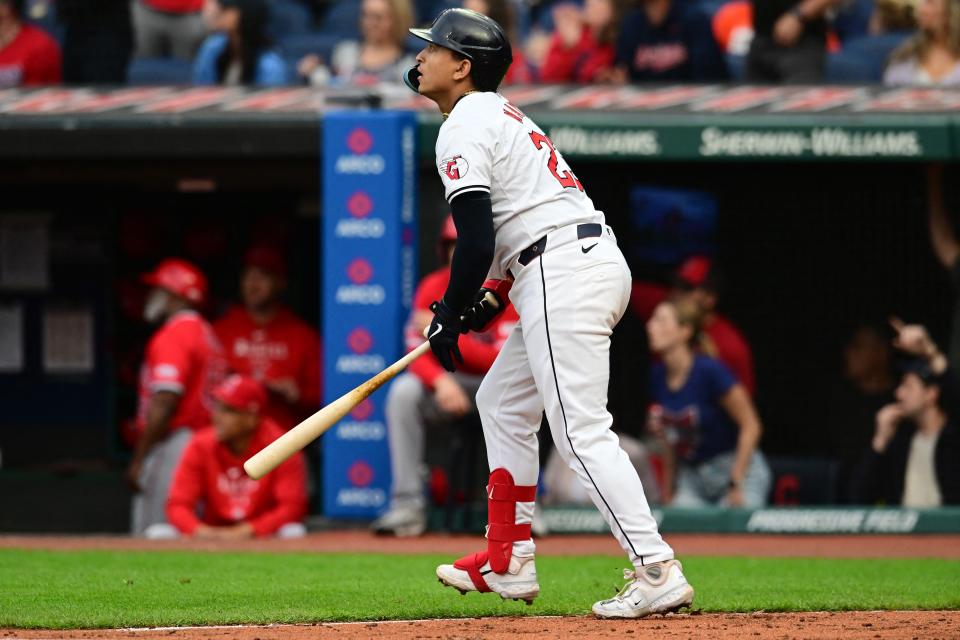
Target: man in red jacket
pixel 211 474
pixel 427 394
pixel 265 340
pixel 182 365
pixel 28 55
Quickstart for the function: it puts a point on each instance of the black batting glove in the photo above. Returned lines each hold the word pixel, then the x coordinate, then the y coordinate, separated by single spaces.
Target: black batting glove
pixel 444 334
pixel 490 302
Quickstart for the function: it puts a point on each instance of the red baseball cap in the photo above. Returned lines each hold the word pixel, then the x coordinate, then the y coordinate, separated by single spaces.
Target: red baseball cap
pixel 179 277
pixel 267 257
pixel 241 393
pixel 694 272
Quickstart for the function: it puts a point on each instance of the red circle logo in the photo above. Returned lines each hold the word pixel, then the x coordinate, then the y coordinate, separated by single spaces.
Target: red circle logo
pixel 363 410
pixel 360 204
pixel 359 141
pixel 360 474
pixel 359 340
pixel 359 271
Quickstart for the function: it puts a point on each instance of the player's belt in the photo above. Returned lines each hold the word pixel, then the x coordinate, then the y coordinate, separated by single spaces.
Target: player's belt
pixel 588 230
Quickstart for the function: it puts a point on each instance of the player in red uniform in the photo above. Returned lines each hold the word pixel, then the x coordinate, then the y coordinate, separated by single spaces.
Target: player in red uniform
pixel 427 394
pixel 28 55
pixel 182 365
pixel 264 339
pixel 211 474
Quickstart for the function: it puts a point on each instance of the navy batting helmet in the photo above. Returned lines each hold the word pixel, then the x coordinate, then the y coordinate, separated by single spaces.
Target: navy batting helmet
pixel 474 36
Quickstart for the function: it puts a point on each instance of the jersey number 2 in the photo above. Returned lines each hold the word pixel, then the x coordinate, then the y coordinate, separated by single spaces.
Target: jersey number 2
pixel 566 179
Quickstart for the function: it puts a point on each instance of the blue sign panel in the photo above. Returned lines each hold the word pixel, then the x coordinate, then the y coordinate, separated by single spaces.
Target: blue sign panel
pixel 369 261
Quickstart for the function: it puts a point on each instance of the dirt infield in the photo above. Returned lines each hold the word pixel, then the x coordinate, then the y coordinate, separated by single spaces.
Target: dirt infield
pixel 762 626
pixel 834 546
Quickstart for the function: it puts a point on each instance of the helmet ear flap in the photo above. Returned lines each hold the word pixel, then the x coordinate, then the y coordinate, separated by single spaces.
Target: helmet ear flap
pixel 411 78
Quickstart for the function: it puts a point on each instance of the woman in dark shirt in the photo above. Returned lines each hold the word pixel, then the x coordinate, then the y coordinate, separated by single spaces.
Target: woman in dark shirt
pixel 704 416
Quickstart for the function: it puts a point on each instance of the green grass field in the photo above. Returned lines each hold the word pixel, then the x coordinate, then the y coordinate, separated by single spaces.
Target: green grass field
pixel 47 589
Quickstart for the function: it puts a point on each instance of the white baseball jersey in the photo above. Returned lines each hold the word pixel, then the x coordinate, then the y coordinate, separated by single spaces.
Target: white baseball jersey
pixel 487 144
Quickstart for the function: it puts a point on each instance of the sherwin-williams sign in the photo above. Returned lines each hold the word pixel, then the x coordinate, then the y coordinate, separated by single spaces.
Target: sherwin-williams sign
pixel 369 250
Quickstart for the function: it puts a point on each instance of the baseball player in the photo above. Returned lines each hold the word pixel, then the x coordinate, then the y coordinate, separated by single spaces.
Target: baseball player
pixel 265 339
pixel 525 224
pixel 210 474
pixel 427 394
pixel 182 364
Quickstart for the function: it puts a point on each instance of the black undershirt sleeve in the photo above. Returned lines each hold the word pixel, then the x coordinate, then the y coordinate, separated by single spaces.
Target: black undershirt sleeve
pixel 473 217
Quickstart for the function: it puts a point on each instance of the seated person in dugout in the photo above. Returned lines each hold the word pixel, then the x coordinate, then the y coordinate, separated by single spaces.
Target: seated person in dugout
pixel 912 460
pixel 210 477
pixel 704 418
pixel 428 395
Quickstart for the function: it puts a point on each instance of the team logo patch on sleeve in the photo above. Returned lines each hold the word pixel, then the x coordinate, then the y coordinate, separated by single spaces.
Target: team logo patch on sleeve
pixel 454 167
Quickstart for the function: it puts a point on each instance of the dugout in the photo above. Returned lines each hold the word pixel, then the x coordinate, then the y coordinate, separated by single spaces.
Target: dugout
pixel 821 225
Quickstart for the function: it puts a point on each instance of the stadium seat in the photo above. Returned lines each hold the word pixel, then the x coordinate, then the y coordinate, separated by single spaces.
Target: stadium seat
pixel 149 71
pixel 853 19
pixel 343 20
pixel 288 17
pixel 294 47
pixel 671 224
pixel 736 66
pixel 862 59
pixel 803 481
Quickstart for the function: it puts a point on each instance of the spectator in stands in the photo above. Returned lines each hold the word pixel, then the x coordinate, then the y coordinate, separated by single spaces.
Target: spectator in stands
pixel 29 57
pixel 790 41
pixel 379 57
pixel 210 479
pixel 168 28
pixel 582 47
pixel 912 459
pixel 264 339
pixel 932 56
pixel 703 417
pixel 667 40
pixel 428 395
pixel 97 41
pixel 867 386
pixel 239 50
pixel 946 247
pixel 182 364
pixel 504 13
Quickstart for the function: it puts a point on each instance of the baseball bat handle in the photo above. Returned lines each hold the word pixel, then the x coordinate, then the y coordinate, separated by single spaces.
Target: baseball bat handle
pixel 294 440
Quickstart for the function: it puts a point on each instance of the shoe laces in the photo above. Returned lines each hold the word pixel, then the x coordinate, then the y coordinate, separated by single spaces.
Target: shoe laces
pixel 630 576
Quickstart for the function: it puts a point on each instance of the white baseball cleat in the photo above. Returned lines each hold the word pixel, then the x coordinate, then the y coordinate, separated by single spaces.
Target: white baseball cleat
pixel 518 583
pixel 657 588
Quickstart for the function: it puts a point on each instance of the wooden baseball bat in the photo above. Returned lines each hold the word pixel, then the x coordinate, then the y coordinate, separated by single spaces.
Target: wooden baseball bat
pixel 271 456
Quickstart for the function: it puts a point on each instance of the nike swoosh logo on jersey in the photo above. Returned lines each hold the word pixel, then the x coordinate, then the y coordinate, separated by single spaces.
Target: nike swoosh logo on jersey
pixel 587 249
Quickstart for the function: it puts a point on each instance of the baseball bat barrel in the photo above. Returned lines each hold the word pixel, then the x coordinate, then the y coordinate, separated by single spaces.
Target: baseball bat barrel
pixel 294 440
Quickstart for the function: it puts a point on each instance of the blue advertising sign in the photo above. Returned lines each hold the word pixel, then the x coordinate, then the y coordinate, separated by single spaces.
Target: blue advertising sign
pixel 369 263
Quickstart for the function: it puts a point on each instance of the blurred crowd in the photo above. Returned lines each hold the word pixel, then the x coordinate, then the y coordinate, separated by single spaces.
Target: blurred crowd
pixel 365 42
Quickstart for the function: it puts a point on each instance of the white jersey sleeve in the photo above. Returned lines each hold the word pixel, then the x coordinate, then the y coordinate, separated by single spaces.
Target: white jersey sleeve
pixel 464 159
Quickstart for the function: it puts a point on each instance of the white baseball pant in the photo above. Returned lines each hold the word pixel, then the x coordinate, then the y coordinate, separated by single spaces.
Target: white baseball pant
pixel 558 359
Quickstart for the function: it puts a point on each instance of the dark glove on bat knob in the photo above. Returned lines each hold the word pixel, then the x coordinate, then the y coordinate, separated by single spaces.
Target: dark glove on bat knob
pixel 444 335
